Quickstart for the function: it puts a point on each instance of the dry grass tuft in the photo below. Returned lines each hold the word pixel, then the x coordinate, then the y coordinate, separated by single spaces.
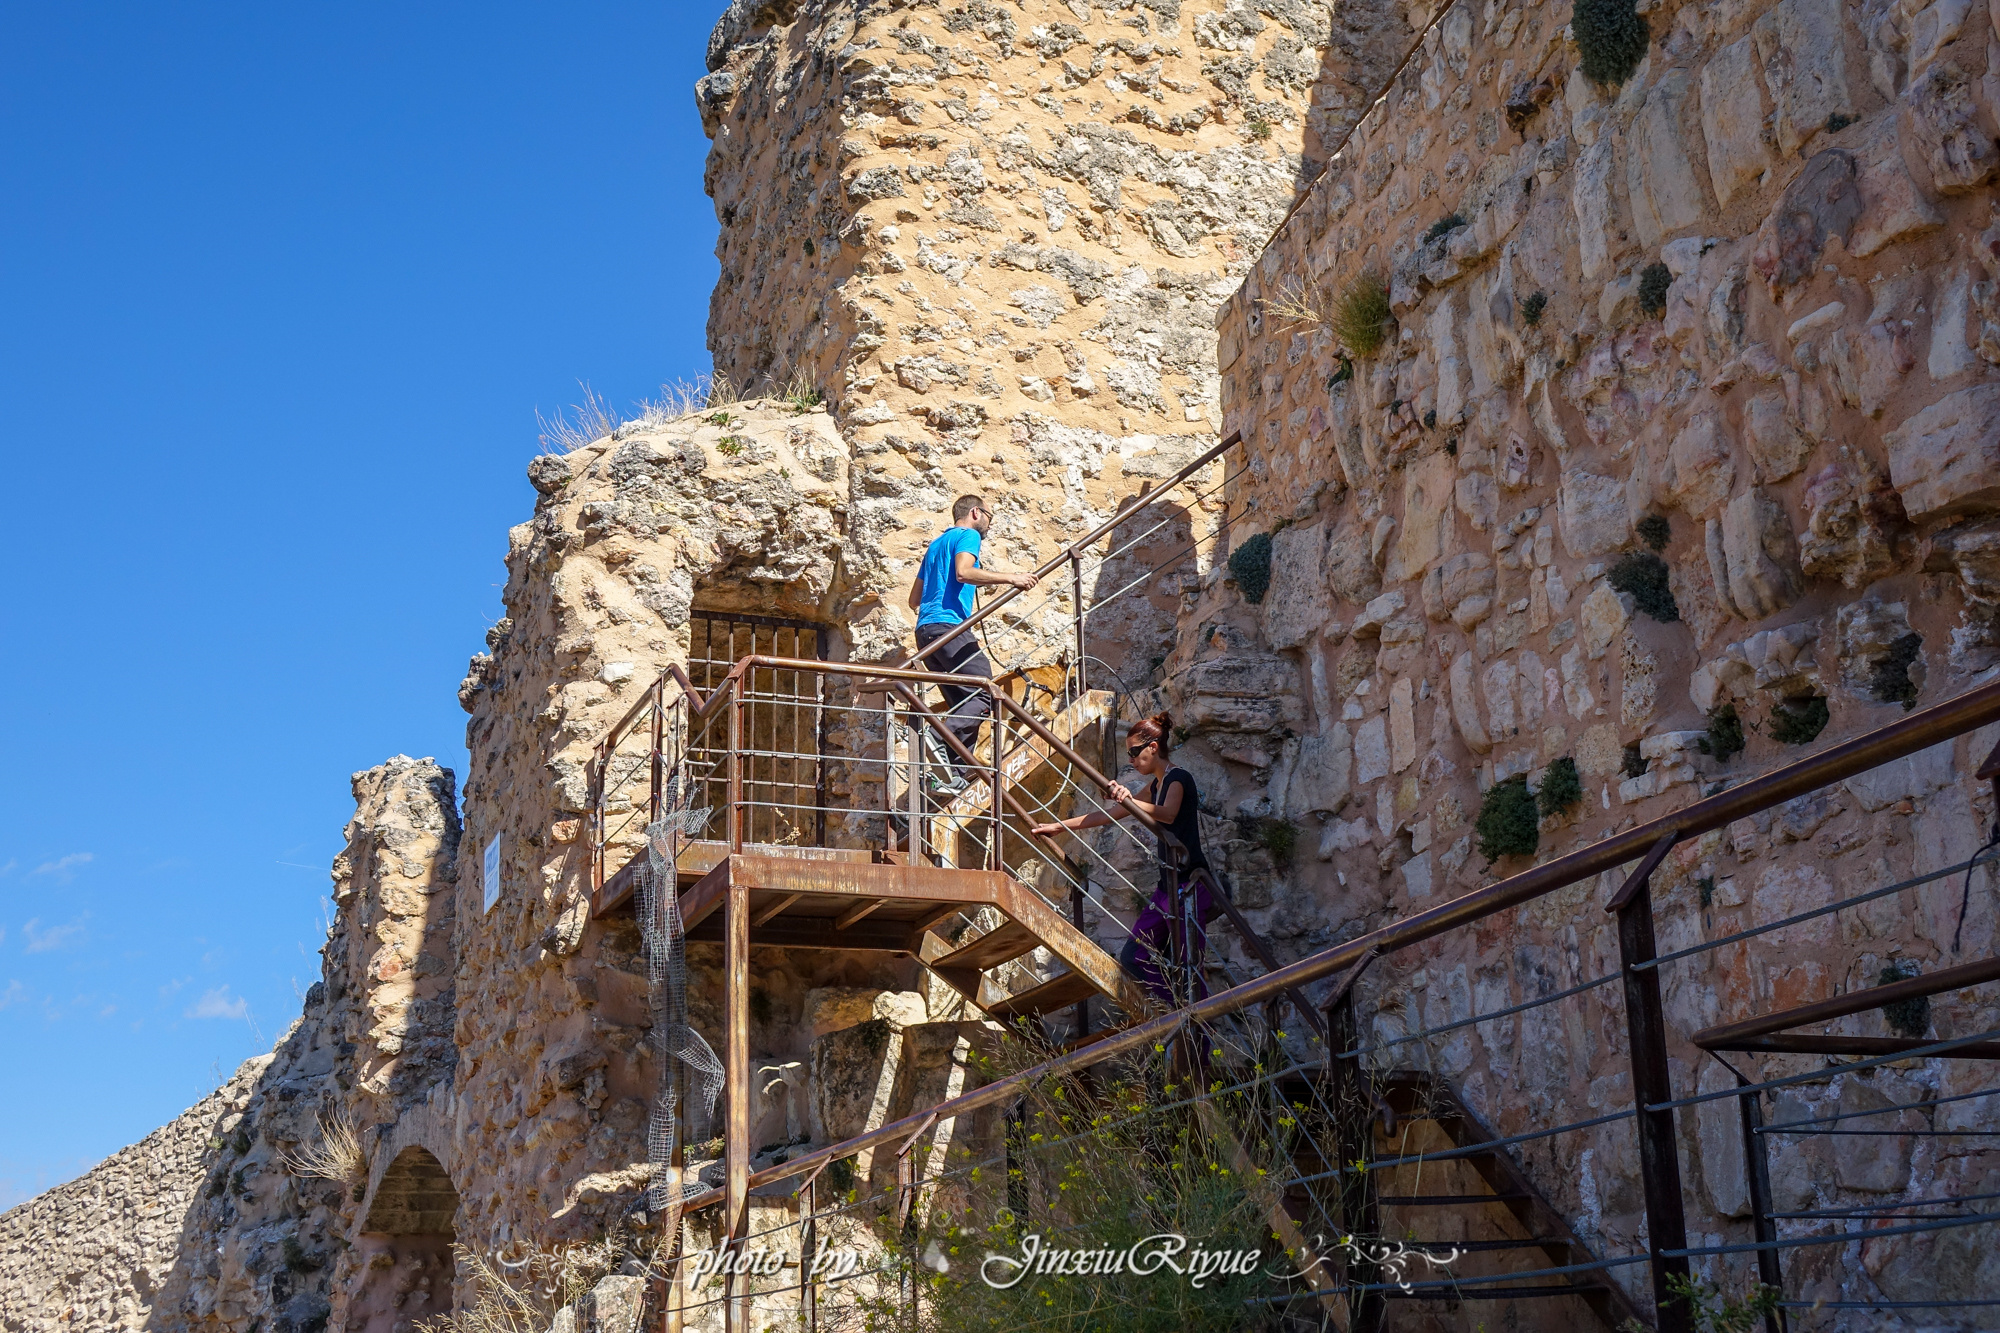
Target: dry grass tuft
pixel 336 1156
pixel 578 425
pixel 523 1295
pixel 1301 303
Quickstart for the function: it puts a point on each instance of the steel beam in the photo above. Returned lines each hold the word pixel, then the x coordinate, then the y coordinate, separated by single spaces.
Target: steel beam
pixel 1860 1001
pixel 736 1086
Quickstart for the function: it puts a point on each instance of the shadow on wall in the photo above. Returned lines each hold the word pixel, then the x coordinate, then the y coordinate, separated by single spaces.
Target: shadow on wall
pixel 402 1260
pixel 1132 599
pixel 1366 39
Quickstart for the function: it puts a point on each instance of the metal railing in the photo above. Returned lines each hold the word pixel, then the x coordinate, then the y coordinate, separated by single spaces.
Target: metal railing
pixel 1349 1072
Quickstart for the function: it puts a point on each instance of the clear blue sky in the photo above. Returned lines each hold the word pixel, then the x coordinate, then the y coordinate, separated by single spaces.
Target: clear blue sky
pixel 282 289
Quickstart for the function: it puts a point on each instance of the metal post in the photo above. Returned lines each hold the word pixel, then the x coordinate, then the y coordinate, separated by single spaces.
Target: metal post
pixel 1646 1025
pixel 1076 591
pixel 993 861
pixel 1079 887
pixel 809 1254
pixel 1757 1164
pixel 819 742
pixel 734 820
pixel 654 802
pixel 1359 1213
pixel 736 1074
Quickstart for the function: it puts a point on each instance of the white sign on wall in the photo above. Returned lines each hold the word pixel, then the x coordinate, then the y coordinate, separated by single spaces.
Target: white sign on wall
pixel 491 875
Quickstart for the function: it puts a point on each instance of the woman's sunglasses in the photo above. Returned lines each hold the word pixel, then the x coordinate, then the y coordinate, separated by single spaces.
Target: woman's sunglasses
pixel 1136 750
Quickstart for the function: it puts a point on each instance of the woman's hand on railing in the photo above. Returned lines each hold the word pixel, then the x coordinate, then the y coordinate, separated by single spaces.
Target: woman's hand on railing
pixel 1119 791
pixel 1049 830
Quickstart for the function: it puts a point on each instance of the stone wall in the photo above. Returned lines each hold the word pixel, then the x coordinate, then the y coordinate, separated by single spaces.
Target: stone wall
pixel 1742 303
pixel 996 237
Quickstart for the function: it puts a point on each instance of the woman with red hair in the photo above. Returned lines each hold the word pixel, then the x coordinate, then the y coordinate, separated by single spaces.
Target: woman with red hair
pixel 1170 934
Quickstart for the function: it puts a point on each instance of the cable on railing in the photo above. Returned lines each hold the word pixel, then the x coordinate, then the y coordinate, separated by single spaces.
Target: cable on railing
pixel 1877 1209
pixel 1524 1006
pixel 1915 1053
pixel 1914 882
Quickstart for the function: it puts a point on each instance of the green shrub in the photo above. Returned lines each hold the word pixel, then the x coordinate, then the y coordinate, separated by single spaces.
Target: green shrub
pixel 732 446
pixel 1279 837
pixel 1532 308
pixel 1906 1018
pixel 1361 317
pixel 1250 566
pixel 1655 531
pixel 1508 823
pixel 1889 675
pixel 1654 280
pixel 1562 787
pixel 1444 226
pixel 1636 763
pixel 1798 721
pixel 1725 734
pixel 1644 575
pixel 1260 129
pixel 1611 39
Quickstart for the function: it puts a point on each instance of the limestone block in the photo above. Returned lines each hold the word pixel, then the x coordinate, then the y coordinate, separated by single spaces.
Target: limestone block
pixel 1972 551
pixel 1596 210
pixel 1497 685
pixel 1465 705
pixel 1659 178
pixel 1717 682
pixel 1402 724
pixel 1478 499
pixel 1912 777
pixel 1951 351
pixel 1429 490
pixel 1803 47
pixel 1876 1163
pixel 1241 694
pixel 1852 515
pixel 1460 589
pixel 1757 540
pixel 1318 776
pixel 1946 459
pixel 1371 750
pixel 1296 607
pixel 1591 513
pixel 1719 1132
pixel 1577 696
pixel 1893 206
pixel 1378 613
pixel 1602 619
pixel 1733 120
pixel 1777 448
pixel 1823 201
pixel 1353 573
pixel 1700 466
pixel 1863 631
pixel 1944 128
pixel 614 1305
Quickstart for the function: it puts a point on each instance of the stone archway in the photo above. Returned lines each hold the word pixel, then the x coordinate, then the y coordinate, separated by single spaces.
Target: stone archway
pixel 404 1250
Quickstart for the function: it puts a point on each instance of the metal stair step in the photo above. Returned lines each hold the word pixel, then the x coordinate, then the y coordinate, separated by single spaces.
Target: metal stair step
pixel 1003 944
pixel 1058 992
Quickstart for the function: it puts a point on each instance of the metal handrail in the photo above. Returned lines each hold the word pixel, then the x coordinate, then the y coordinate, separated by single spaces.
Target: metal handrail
pixel 1919 731
pixel 1076 549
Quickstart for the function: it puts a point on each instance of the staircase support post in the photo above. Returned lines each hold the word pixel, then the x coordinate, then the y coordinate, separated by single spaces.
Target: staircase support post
pixel 1353 1111
pixel 1646 1026
pixel 736 1072
pixel 1757 1165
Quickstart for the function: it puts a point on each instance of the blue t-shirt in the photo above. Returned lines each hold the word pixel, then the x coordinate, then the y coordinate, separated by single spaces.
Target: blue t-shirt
pixel 948 598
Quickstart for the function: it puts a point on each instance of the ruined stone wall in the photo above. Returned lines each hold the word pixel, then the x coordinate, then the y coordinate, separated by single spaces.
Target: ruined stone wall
pixel 1748 297
pixel 996 237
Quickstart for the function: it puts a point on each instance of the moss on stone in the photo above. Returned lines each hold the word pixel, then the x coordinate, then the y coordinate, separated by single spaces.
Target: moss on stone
pixel 1645 576
pixel 1444 226
pixel 1250 566
pixel 1532 308
pixel 1508 823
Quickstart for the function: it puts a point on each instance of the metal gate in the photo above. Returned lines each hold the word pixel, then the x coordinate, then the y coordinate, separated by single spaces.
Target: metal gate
pixel 784 724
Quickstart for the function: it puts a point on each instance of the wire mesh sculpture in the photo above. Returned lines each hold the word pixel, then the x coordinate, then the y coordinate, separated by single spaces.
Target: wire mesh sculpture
pixel 673 1037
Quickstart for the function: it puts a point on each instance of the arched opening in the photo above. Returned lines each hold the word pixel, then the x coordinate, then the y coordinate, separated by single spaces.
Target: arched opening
pixel 404 1252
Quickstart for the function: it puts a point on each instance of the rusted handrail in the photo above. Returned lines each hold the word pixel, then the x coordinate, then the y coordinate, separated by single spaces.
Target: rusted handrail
pixel 1076 548
pixel 1854 1002
pixel 1946 721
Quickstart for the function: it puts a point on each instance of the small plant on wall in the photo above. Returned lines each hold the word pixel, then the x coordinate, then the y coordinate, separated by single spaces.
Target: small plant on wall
pixel 1724 739
pixel 1654 280
pixel 1562 787
pixel 1361 317
pixel 1644 576
pixel 1798 721
pixel 1250 566
pixel 1509 823
pixel 1611 39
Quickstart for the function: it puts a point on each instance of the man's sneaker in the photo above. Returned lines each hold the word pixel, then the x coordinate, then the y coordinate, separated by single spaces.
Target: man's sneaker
pixel 949 784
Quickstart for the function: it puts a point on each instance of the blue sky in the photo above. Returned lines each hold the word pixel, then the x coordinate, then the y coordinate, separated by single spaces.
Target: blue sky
pixel 282 289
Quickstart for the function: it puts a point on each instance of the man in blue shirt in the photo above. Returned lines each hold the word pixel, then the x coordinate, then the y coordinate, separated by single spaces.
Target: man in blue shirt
pixel 942 596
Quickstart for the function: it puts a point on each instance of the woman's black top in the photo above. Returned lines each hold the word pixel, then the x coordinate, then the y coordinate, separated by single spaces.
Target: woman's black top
pixel 1187 824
